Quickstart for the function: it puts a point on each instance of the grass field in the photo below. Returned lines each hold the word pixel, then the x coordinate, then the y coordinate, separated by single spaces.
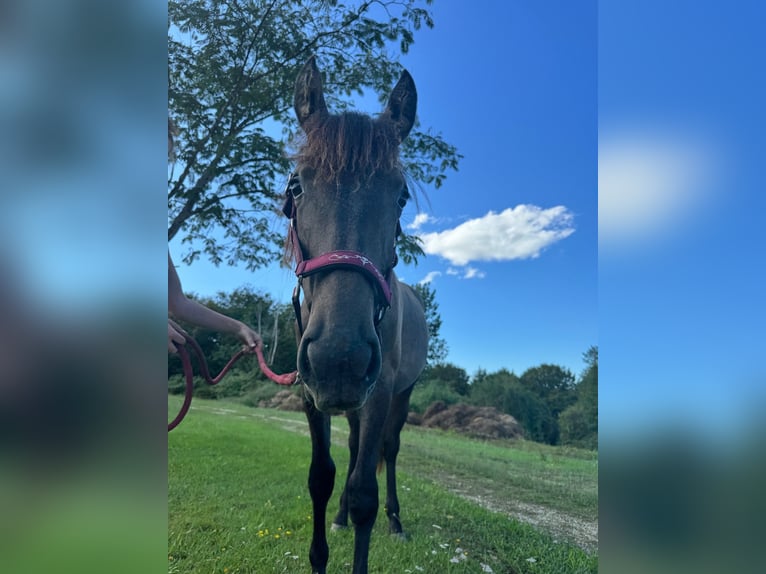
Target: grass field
pixel 238 501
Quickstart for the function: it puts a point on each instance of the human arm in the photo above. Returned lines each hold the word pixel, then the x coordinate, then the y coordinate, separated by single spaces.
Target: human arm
pixel 191 311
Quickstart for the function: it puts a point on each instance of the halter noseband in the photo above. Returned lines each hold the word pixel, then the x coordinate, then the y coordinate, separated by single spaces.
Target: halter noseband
pixel 339 259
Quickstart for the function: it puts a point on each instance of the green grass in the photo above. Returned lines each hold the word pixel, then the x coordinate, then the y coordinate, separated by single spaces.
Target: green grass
pixel 533 473
pixel 238 501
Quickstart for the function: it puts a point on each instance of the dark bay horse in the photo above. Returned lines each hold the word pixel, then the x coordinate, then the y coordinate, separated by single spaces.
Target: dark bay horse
pixel 362 334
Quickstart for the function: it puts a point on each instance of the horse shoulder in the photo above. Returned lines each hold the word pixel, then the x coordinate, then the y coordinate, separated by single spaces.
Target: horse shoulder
pixel 411 333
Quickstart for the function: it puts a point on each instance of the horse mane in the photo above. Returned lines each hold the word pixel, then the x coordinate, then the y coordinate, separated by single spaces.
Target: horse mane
pixel 350 146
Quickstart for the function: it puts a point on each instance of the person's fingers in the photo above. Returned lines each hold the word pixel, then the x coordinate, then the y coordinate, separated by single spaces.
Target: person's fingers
pixel 177 328
pixel 174 337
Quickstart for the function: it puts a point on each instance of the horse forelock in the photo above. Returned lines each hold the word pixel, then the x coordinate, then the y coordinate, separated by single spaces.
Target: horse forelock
pixel 350 147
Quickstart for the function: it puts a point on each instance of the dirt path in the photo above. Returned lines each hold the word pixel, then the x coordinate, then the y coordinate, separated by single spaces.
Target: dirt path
pixel 560 525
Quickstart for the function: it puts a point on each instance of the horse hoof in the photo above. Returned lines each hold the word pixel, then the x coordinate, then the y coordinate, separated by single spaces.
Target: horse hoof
pixel 399 536
pixel 335 527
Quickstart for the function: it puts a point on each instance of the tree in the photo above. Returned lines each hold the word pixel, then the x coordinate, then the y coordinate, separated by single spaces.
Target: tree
pixel 232 67
pixel 587 388
pixel 437 347
pixel 579 422
pixel 553 384
pixel 449 376
pixel 504 391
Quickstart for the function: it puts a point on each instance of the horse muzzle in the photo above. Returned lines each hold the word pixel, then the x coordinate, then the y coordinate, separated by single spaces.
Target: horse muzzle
pixel 338 370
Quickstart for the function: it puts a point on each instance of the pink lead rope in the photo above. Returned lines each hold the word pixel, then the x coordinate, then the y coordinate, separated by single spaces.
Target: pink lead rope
pixel 286 379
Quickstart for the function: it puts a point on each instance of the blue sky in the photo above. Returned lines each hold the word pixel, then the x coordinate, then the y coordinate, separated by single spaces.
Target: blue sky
pixel 511 237
pixel 675 298
pixel 681 203
pixel 641 138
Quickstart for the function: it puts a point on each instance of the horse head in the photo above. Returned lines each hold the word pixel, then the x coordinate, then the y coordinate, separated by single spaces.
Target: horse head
pixel 345 215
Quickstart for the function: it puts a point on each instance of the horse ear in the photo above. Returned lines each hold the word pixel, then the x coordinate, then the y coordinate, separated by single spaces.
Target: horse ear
pixel 308 92
pixel 402 105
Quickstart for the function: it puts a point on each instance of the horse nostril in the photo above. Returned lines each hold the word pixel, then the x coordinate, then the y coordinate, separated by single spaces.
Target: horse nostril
pixel 329 359
pixel 375 364
pixel 304 365
pixel 339 357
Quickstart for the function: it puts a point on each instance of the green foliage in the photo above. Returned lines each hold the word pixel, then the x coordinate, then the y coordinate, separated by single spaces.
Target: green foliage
pixel 232 69
pixel 437 346
pixel 578 427
pixel 262 392
pixel 587 389
pixel 236 384
pixel 274 322
pixel 409 248
pixel 429 391
pixel 176 384
pixel 553 384
pixel 450 376
pixel 505 391
pixel 546 400
pixel 579 422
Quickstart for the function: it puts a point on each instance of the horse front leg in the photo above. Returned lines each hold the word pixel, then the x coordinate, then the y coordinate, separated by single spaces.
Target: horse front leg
pixel 391 440
pixel 321 482
pixel 362 485
pixel 341 519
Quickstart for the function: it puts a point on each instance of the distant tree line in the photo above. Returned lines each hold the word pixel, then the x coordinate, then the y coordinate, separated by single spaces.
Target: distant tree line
pixel 548 401
pixel 551 404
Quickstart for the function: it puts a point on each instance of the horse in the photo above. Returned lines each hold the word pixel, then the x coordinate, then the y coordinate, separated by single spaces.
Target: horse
pixel 362 334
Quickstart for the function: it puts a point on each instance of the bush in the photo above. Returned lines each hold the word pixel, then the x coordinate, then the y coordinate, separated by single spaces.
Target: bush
pixel 504 391
pixel 202 390
pixel 578 427
pixel 237 384
pixel 234 384
pixel 262 392
pixel 176 384
pixel 430 392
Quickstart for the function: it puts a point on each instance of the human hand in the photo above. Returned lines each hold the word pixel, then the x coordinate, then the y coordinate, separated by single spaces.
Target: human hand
pixel 176 336
pixel 250 338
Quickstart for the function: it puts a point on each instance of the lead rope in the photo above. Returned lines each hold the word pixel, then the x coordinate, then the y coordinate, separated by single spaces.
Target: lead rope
pixel 183 353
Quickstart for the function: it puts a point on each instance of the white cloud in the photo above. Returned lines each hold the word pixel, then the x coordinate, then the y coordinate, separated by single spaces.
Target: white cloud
pixel 520 232
pixel 466 273
pixel 650 183
pixel 472 272
pixel 420 220
pixel 429 277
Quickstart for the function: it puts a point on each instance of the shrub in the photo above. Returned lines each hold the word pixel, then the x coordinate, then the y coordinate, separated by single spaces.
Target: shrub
pixel 504 391
pixel 176 384
pixel 262 392
pixel 578 427
pixel 237 384
pixel 430 392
